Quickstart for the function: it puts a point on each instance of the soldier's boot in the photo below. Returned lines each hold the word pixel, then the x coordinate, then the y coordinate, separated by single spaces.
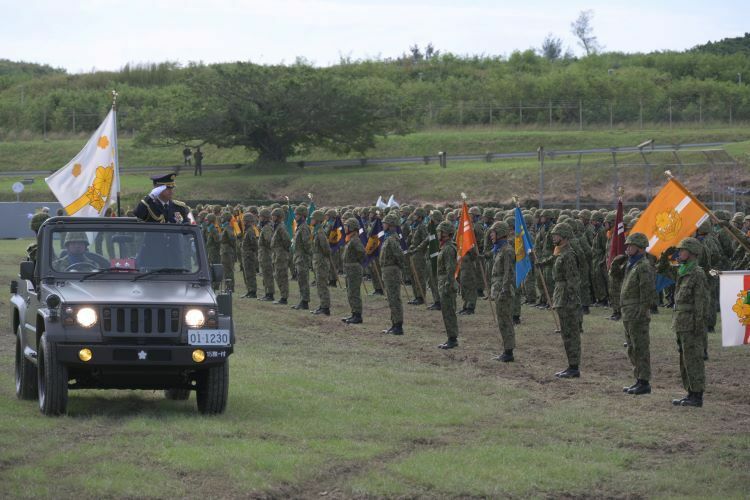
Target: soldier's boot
pixel 355 319
pixel 347 318
pixel 480 292
pixel 412 301
pixel 418 301
pixel 435 307
pixel 516 320
pixel 694 399
pixel 377 292
pixel 281 302
pixel 626 389
pixel 506 356
pixel 250 295
pixel 322 310
pixel 616 316
pixel 396 329
pixel 267 298
pixel 332 283
pixel 641 387
pixel 570 372
pixel 654 309
pixel 469 310
pixel 705 354
pixel 678 402
pixel 303 304
pixel 452 342
pixel 585 309
pixel 711 329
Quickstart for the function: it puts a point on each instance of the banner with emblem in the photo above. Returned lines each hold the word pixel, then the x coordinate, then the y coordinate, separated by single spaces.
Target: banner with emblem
pixel 523 247
pixel 465 237
pixel 734 296
pixel 89 183
pixel 673 214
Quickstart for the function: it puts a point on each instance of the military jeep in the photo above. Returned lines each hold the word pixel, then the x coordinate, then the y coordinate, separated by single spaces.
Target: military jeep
pixel 116 303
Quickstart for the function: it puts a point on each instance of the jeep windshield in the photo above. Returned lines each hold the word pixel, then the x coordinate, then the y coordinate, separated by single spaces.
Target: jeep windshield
pixel 123 250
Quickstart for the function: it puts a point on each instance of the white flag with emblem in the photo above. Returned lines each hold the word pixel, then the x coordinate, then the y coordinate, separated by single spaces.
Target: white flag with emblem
pixel 734 287
pixel 89 183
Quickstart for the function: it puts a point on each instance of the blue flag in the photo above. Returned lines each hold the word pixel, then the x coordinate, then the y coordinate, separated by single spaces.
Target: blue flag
pixel 375 239
pixel 663 282
pixel 337 235
pixel 523 248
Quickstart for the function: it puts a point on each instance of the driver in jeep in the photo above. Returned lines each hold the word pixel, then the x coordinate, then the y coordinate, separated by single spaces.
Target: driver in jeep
pixel 76 245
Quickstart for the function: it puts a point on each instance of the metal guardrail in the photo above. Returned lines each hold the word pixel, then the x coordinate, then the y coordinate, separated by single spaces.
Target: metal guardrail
pixel 129 170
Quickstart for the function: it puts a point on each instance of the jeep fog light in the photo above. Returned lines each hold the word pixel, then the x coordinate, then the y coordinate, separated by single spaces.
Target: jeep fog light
pixel 195 318
pixel 86 317
pixel 85 355
pixel 199 355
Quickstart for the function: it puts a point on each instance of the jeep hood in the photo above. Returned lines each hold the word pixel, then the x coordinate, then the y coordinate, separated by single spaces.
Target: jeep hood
pixel 138 292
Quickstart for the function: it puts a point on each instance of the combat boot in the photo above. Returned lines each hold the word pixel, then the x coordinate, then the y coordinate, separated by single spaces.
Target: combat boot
pixel 434 307
pixel 347 318
pixel 516 320
pixel 641 387
pixel 466 311
pixel 250 295
pixel 615 316
pixel 627 389
pixel 585 309
pixel 354 320
pixel 281 302
pixel 452 342
pixel 506 356
pixel 418 301
pixel 654 309
pixel 412 302
pixel 570 372
pixel 302 305
pixel 267 298
pixel 332 283
pixel 322 310
pixel 377 292
pixel 694 399
pixel 396 329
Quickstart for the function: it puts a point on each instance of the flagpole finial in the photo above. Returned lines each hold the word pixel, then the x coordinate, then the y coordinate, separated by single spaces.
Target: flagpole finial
pixel 620 191
pixel 114 98
pixel 515 199
pixel 309 195
pixel 287 199
pixel 463 196
pixel 668 173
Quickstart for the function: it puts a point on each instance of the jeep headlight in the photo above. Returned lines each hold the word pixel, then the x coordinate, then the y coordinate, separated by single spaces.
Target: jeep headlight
pixel 194 318
pixel 86 317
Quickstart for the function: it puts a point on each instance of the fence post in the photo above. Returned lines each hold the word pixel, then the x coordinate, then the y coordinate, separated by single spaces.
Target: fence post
pixel 44 124
pixel 670 113
pixel 640 112
pixel 461 112
pixel 615 179
pixel 74 121
pixel 520 112
pixel 700 109
pixel 540 155
pixel 611 112
pixel 730 112
pixel 490 113
pixel 550 113
pixel 580 114
pixel 578 182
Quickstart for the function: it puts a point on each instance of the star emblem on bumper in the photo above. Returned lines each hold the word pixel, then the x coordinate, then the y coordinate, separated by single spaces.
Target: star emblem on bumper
pixel 142 355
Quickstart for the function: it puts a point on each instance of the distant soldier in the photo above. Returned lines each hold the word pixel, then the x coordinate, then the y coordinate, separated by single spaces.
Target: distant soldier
pixel 280 245
pixel 566 298
pixel 598 259
pixel 265 254
pixel 417 254
pixel 470 274
pixel 637 294
pixel 446 282
pixel 321 254
pixel 392 264
pixel 689 320
pixel 213 239
pixel 187 154
pixel 250 255
pixel 503 288
pixel 228 249
pixel 302 256
pixel 36 222
pixel 353 255
pixel 198 162
pixel 433 249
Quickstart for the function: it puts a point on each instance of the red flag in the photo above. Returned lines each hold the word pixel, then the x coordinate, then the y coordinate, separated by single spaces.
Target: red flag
pixel 465 237
pixel 617 247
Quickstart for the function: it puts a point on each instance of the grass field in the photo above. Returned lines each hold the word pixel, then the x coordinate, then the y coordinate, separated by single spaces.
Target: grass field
pixel 320 409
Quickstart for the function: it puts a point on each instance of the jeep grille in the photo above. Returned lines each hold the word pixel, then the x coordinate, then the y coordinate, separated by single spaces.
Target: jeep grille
pixel 144 320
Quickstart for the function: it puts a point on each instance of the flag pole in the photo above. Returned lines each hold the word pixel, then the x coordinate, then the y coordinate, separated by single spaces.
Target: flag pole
pixel 484 273
pixel 541 275
pixel 114 109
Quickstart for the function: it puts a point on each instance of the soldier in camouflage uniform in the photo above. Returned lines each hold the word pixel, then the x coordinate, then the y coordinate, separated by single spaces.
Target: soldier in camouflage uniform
pixel 637 294
pixel 353 255
pixel 265 254
pixel 228 250
pixel 689 317
pixel 447 284
pixel 392 263
pixel 35 224
pixel 433 249
pixel 566 298
pixel 280 245
pixel 711 258
pixel 302 255
pixel 417 254
pixel 503 287
pixel 213 239
pixel 249 251
pixel 470 274
pixel 321 251
pixel 330 219
pixel 543 252
pixel 599 259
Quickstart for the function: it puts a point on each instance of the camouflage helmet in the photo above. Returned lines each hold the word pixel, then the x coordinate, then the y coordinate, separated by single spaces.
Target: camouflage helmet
pixel 638 239
pixel 738 217
pixel 501 229
pixel 331 212
pixel 628 221
pixel 264 212
pixel 610 217
pixel 691 245
pixel 76 237
pixel 563 218
pixel 226 217
pixel 705 227
pixel 318 216
pixel 436 216
pixel 301 210
pixel 352 224
pixel 546 213
pixel 211 218
pixel 499 215
pixel 584 214
pixel 392 219
pixel 277 212
pixel 446 227
pixel 723 215
pixel 249 217
pixel 475 211
pixel 597 217
pixel 563 230
pixel 489 213
pixel 419 212
pixel 36 221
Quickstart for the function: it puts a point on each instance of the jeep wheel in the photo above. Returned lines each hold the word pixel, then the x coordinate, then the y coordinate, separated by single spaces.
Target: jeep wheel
pixel 25 373
pixel 212 389
pixel 177 394
pixel 53 380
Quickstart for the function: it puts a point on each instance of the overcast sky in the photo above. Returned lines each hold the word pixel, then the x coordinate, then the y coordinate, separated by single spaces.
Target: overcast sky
pixel 88 34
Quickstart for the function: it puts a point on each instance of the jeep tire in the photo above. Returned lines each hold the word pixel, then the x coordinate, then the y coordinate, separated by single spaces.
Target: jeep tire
pixel 177 394
pixel 53 380
pixel 213 389
pixel 25 372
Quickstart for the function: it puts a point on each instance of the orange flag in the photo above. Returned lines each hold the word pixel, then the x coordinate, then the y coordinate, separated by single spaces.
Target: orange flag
pixel 673 214
pixel 465 237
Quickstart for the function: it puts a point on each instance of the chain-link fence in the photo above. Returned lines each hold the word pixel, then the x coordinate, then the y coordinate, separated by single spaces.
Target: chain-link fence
pixel 591 179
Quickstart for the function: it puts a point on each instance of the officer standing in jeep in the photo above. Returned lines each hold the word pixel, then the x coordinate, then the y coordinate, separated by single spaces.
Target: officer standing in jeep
pixel 158 205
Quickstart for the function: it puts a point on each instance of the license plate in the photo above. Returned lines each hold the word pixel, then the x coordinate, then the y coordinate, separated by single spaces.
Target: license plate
pixel 208 337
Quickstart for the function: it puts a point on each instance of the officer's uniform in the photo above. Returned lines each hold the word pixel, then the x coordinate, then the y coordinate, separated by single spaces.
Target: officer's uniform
pixel 152 209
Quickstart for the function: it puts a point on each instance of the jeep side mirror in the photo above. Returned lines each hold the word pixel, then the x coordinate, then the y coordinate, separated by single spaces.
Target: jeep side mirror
pixel 27 270
pixel 217 273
